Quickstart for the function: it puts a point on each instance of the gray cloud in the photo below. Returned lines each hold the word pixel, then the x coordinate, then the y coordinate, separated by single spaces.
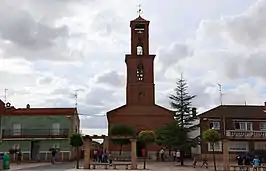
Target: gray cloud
pixel 112 78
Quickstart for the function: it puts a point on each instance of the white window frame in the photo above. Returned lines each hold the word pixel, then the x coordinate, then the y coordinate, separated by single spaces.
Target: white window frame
pixel 56 129
pixel 238 146
pixel 263 126
pixel 218 146
pixel 244 126
pixel 216 125
pixel 16 129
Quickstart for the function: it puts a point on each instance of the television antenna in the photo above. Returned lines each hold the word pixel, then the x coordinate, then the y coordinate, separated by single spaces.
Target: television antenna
pixel 221 93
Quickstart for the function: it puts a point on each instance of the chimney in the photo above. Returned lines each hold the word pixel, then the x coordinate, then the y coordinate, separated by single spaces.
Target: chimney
pixel 28 106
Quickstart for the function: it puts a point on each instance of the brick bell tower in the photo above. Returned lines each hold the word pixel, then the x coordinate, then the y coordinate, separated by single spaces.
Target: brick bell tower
pixel 140 64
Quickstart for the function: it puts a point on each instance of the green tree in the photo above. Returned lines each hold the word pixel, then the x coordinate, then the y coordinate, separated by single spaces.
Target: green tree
pixel 76 141
pixel 121 130
pixel 147 137
pixel 185 115
pixel 211 136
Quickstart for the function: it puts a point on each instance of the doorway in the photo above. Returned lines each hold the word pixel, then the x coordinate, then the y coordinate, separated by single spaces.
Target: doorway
pixel 140 146
pixel 35 150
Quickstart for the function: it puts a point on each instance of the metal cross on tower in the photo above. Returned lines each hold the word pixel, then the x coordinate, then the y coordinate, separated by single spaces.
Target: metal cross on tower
pixel 139 10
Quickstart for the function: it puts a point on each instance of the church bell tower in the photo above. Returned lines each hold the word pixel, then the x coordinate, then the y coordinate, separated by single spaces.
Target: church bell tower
pixel 140 70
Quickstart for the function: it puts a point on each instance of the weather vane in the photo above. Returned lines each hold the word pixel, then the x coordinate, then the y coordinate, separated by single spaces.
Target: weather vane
pixel 139 10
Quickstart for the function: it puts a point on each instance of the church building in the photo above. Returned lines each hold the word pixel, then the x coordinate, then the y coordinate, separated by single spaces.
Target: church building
pixel 140 110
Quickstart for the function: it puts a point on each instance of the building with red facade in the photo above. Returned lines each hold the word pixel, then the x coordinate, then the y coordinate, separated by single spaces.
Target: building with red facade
pixel 140 110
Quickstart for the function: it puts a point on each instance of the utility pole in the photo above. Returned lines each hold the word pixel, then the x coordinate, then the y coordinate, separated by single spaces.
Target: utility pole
pixel 221 94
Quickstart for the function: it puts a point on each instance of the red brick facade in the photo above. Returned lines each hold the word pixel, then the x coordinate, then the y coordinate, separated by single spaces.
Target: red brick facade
pixel 140 110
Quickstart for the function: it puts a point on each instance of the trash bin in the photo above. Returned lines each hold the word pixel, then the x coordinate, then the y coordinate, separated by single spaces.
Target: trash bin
pixel 1 160
pixel 6 162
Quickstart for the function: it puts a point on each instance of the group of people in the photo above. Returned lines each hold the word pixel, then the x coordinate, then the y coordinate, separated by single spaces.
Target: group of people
pixel 175 155
pixel 249 161
pixel 102 156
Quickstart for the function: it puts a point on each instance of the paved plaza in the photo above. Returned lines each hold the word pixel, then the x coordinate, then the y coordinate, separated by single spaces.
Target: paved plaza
pixel 70 166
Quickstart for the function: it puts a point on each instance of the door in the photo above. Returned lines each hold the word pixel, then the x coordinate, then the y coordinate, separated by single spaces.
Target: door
pixel 17 129
pixel 56 129
pixel 35 150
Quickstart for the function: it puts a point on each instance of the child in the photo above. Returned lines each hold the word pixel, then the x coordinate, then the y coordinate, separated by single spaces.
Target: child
pixel 110 158
pixel 194 162
pixel 205 162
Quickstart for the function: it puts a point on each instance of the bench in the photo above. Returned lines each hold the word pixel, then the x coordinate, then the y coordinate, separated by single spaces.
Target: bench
pixel 99 164
pixel 121 164
pixel 237 167
pixel 245 167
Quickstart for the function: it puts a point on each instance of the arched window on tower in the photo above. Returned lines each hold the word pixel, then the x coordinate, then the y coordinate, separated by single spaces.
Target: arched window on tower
pixel 140 72
pixel 139 50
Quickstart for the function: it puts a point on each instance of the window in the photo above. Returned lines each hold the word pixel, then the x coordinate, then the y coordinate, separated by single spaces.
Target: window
pixel 260 145
pixel 16 147
pixel 56 145
pixel 56 129
pixel 17 129
pixel 139 50
pixel 238 146
pixel 140 72
pixel 262 125
pixel 217 146
pixel 243 126
pixel 215 125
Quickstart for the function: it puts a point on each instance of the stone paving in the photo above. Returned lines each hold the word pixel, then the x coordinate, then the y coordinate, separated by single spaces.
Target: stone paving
pixel 160 166
pixel 14 166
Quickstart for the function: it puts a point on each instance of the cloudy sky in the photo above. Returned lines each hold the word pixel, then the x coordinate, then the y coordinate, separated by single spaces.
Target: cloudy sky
pixel 50 48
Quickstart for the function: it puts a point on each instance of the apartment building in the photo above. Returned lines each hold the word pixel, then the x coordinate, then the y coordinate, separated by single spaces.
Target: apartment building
pixel 36 130
pixel 243 125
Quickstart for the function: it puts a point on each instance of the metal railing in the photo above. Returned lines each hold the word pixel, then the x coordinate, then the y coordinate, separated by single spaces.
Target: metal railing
pixel 35 132
pixel 246 134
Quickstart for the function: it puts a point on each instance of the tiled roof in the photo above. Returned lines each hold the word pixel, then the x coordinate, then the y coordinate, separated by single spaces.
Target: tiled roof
pixel 236 111
pixel 41 111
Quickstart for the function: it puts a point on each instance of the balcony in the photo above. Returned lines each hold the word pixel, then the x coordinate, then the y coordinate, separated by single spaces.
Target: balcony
pixel 35 133
pixel 242 134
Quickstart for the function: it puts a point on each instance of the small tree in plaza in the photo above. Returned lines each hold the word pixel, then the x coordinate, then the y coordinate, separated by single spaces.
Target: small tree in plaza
pixel 212 136
pixel 76 141
pixel 147 137
pixel 121 130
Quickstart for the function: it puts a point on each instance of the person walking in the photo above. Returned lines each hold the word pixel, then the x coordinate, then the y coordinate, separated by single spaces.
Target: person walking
pixel 177 155
pixel 162 154
pixel 53 155
pixel 194 161
pixel 174 155
pixel 205 162
pixel 256 163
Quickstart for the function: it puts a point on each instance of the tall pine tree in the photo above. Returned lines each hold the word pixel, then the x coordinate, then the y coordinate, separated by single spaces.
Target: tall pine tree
pixel 185 115
pixel 181 101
